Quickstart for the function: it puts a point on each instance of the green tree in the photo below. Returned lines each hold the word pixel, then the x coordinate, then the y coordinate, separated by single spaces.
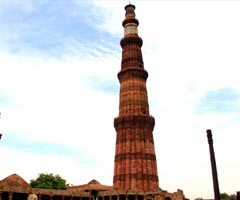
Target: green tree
pixel 232 196
pixel 225 196
pixel 49 181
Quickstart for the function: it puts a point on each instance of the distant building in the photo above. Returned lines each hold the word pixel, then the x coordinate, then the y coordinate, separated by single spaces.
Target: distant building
pixel 135 166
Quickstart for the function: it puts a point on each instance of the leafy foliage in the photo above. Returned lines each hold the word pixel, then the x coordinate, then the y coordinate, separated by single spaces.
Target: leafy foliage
pixel 49 181
pixel 225 196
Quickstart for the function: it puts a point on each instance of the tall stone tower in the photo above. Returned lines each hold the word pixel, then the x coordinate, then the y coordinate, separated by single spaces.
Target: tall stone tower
pixel 135 166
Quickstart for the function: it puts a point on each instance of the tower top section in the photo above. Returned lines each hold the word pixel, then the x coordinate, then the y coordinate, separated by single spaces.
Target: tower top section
pixel 129 5
pixel 130 23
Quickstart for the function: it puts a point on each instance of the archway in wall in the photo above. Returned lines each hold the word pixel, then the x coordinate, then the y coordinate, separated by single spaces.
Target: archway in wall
pixel 76 198
pixel 44 197
pixel 114 197
pixel 122 197
pixel 20 196
pixel 131 197
pixel 57 198
pixel 5 195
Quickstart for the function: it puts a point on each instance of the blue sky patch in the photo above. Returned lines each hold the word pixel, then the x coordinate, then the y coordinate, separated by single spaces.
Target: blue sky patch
pixel 47 26
pixel 109 86
pixel 6 100
pixel 15 141
pixel 219 101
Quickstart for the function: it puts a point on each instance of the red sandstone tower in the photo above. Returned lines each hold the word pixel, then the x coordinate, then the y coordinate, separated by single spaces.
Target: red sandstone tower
pixel 135 166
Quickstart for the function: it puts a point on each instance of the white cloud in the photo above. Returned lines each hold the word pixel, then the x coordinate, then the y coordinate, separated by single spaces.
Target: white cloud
pixel 29 165
pixel 53 104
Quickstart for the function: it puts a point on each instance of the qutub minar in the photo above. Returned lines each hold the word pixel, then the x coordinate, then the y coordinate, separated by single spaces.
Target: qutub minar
pixel 135 166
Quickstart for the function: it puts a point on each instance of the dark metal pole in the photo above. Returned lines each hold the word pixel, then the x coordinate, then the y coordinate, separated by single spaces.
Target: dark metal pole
pixel 214 166
pixel 238 195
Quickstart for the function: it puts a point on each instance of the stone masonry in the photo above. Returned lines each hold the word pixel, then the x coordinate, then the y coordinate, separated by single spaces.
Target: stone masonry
pixel 135 166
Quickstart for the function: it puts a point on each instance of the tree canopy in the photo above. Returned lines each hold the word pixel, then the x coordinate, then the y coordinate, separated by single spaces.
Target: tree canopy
pixel 49 181
pixel 226 196
pixel 223 196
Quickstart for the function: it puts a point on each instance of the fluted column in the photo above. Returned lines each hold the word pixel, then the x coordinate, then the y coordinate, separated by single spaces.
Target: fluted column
pixel 135 166
pixel 10 196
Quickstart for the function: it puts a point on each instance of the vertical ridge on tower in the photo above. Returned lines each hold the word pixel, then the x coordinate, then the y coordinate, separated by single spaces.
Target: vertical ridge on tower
pixel 135 165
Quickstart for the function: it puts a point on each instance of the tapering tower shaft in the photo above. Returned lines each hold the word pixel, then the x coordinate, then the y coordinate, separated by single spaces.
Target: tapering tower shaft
pixel 135 165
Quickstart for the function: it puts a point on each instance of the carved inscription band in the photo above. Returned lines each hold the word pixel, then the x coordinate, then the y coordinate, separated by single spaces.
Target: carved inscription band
pixel 127 40
pixel 124 156
pixel 132 73
pixel 131 120
pixel 142 177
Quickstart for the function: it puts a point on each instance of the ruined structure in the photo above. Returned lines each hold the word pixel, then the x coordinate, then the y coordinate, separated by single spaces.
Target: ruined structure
pixel 14 187
pixel 135 166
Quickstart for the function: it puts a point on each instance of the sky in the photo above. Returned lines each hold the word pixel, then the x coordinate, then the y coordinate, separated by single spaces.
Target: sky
pixel 59 91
